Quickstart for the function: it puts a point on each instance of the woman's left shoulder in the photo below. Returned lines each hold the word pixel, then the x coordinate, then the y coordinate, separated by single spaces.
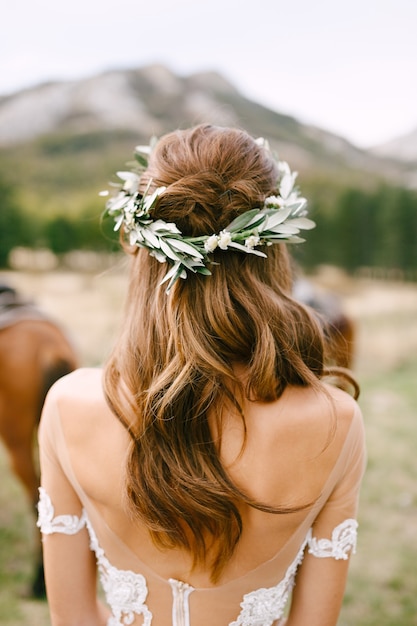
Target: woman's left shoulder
pixel 80 380
pixel 78 397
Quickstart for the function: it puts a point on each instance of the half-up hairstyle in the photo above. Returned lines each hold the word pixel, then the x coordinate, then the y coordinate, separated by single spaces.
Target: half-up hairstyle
pixel 173 363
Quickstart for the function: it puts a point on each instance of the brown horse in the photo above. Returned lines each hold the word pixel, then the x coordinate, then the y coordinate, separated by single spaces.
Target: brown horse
pixel 339 328
pixel 34 353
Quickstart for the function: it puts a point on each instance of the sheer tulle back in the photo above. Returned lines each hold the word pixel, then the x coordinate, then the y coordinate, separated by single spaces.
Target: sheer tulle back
pixel 125 547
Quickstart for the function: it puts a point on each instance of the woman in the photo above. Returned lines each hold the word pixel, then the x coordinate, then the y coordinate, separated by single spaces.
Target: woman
pixel 209 467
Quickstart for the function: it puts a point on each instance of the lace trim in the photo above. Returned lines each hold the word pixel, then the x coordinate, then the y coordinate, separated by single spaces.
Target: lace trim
pixel 343 541
pixel 125 590
pixel 264 606
pixel 49 524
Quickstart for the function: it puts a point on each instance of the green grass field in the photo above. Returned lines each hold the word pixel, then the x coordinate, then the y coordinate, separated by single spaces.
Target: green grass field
pixel 383 577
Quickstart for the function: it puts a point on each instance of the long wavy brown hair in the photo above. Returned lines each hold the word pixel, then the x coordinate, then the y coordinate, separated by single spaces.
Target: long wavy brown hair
pixel 173 364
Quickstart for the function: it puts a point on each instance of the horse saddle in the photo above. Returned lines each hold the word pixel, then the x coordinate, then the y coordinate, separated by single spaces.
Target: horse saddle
pixel 14 308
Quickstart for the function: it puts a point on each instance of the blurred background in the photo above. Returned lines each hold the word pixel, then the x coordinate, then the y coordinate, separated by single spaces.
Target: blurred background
pixel 332 87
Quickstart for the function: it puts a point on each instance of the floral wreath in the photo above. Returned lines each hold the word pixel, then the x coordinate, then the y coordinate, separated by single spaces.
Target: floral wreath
pixel 280 219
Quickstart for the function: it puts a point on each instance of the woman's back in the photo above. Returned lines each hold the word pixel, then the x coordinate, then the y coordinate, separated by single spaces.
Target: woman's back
pixel 290 458
pixel 209 467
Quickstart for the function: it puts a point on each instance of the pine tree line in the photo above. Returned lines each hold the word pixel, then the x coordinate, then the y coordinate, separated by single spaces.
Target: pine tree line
pixel 356 228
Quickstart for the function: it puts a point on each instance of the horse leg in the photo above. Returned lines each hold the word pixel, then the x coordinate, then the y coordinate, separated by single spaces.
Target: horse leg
pixel 33 356
pixel 20 449
pixel 51 374
pixel 23 465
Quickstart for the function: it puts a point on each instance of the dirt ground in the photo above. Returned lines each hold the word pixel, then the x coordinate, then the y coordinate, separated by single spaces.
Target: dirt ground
pixel 90 306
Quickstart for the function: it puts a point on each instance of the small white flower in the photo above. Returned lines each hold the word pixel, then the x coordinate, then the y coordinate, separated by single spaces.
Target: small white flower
pixel 129 220
pixel 273 201
pixel 211 243
pixel 261 141
pixel 280 219
pixel 252 241
pixel 224 239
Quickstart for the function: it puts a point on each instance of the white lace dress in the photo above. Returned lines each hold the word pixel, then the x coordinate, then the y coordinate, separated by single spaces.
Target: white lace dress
pixel 138 596
pixel 126 591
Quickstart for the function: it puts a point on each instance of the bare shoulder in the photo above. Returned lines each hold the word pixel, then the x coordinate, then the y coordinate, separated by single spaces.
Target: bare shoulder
pixel 341 397
pixel 303 417
pixel 344 406
pixel 80 400
pixel 332 420
pixel 310 420
pixel 94 439
pixel 291 444
pixel 80 384
pixel 313 408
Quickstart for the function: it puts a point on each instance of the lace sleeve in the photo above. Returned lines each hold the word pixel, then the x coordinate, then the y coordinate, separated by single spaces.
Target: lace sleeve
pixel 343 542
pixel 65 524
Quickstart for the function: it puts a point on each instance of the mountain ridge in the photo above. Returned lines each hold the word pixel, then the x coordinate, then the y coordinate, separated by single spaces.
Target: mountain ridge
pixel 153 100
pixel 403 147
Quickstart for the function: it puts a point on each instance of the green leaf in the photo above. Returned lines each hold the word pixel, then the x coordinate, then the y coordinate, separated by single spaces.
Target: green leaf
pixel 166 249
pixel 159 227
pixel 159 256
pixel 239 246
pixel 185 247
pixel 275 218
pixel 296 206
pixel 303 222
pixel 282 229
pixel 142 155
pixel 123 175
pixel 240 222
pixel 171 276
pixel 142 160
pixel 192 264
pixel 203 270
pixel 295 239
pixel 148 201
pixel 150 237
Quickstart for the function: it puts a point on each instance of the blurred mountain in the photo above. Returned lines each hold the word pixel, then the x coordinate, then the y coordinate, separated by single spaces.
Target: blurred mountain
pixel 109 112
pixel 403 148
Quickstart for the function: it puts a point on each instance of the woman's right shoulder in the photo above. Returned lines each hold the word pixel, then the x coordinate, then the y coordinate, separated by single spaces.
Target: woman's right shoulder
pixel 82 383
pixel 317 421
pixel 314 409
pixel 345 408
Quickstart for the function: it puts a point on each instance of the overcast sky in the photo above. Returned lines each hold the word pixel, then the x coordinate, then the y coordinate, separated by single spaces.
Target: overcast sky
pixel 349 67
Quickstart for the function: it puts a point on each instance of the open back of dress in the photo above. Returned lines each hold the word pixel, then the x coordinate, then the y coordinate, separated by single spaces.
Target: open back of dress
pixel 138 595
